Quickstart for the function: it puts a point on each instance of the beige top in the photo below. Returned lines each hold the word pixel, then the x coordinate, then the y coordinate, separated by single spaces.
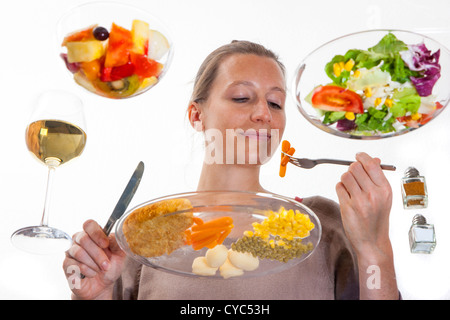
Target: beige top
pixel 329 273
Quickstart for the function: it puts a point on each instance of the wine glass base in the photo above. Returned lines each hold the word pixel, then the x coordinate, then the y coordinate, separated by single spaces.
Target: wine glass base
pixel 41 240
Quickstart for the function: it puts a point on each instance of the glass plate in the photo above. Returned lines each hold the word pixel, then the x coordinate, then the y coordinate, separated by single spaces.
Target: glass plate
pixel 244 208
pixel 310 73
pixel 104 14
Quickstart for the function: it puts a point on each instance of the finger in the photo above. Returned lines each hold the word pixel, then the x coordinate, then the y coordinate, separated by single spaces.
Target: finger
pixel 372 167
pixel 96 233
pixel 96 253
pixel 114 245
pixel 342 193
pixel 361 176
pixel 72 266
pixel 79 254
pixel 350 184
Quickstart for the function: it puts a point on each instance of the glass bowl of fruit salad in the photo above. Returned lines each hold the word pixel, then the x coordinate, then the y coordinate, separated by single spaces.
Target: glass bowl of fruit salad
pixel 114 50
pixel 373 84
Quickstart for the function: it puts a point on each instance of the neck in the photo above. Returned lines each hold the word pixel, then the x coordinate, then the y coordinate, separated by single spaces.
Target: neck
pixel 230 178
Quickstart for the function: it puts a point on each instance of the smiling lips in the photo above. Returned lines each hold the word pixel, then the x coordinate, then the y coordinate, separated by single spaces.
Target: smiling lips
pixel 253 134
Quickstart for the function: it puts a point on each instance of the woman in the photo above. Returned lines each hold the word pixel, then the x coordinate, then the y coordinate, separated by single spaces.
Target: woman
pixel 240 90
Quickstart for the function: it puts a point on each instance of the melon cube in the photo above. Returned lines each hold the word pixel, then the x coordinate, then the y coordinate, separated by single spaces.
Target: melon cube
pixel 84 51
pixel 140 33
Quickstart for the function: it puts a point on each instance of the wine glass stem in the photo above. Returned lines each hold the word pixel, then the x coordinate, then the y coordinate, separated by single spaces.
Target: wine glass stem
pixel 51 172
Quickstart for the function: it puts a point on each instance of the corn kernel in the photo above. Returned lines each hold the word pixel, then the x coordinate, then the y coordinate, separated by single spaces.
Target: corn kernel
pixel 416 116
pixel 341 65
pixel 377 101
pixel 281 243
pixel 272 243
pixel 337 69
pixel 388 103
pixel 248 233
pixel 349 115
pixel 349 65
pixel 291 214
pixel 285 224
pixel 357 73
pixel 368 92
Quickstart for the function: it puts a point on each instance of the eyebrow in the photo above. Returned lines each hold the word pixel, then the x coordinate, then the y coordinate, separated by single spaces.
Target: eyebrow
pixel 248 83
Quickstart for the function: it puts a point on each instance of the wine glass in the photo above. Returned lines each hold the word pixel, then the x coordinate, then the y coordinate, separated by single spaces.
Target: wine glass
pixel 55 135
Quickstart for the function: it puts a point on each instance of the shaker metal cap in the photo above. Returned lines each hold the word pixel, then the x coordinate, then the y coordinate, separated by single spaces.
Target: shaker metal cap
pixel 411 172
pixel 419 219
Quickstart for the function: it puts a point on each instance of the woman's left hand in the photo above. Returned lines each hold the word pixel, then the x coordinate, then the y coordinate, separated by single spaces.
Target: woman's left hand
pixel 365 197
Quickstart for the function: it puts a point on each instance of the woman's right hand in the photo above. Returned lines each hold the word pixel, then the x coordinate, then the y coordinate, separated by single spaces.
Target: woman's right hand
pixel 97 257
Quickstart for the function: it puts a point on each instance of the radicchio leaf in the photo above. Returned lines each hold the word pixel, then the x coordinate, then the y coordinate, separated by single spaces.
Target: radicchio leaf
pixel 419 58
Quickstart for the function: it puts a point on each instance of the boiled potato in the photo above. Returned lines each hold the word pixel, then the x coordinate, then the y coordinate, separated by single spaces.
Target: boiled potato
pixel 201 267
pixel 243 260
pixel 228 270
pixel 216 256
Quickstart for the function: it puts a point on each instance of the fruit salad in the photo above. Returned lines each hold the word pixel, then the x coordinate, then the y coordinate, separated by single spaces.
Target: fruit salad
pixel 386 88
pixel 116 63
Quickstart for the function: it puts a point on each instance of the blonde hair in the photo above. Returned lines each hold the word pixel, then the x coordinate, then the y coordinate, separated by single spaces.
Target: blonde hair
pixel 208 70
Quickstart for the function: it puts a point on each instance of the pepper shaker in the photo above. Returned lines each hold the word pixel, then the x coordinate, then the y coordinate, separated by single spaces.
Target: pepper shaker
pixel 414 190
pixel 422 237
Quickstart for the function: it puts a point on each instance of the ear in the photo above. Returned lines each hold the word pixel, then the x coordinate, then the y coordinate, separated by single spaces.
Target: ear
pixel 195 116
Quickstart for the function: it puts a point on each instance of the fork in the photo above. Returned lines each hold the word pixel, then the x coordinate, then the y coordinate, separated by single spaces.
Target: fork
pixel 310 163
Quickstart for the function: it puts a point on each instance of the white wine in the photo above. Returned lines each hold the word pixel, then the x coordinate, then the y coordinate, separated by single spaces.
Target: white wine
pixel 55 139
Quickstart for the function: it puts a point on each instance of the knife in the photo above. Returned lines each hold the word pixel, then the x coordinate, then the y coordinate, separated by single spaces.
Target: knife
pixel 125 199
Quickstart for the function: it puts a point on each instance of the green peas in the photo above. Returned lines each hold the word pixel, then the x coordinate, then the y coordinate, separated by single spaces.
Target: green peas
pixel 278 248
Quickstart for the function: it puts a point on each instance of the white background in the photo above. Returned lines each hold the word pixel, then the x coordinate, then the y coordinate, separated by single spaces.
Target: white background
pixel 153 127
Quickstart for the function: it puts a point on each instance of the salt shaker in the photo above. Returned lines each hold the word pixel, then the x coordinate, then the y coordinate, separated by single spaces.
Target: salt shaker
pixel 422 238
pixel 414 190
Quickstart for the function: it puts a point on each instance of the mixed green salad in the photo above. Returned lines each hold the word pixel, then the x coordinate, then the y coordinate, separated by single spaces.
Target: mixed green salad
pixel 386 88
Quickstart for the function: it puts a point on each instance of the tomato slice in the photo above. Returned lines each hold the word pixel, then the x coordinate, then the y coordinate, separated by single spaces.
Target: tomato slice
pixel 334 98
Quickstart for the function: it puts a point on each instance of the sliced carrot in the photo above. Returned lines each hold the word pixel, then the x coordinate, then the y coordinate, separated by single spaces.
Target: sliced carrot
pixel 188 235
pixel 203 243
pixel 224 234
pixel 212 244
pixel 197 220
pixel 285 159
pixel 286 148
pixel 283 171
pixel 203 234
pixel 221 222
pixel 285 145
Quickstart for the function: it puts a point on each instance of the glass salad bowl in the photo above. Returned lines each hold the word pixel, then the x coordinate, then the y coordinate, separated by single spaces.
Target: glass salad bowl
pixel 220 234
pixel 114 50
pixel 373 84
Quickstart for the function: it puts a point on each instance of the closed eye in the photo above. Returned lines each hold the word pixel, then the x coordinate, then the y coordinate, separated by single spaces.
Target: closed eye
pixel 274 105
pixel 240 100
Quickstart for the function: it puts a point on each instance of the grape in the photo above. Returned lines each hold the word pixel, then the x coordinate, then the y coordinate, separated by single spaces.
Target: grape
pixel 100 33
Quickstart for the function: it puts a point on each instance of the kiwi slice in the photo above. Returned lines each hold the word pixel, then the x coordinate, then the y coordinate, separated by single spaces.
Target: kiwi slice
pixel 120 88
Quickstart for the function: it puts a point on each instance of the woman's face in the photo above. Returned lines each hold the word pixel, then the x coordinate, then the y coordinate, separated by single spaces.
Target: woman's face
pixel 244 114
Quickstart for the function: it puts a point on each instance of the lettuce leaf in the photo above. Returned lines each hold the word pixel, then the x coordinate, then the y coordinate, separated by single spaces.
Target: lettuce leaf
pixel 386 54
pixel 329 69
pixel 389 45
pixel 333 116
pixel 409 103
pixel 375 120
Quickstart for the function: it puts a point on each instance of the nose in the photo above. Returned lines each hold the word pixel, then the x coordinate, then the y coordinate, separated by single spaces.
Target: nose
pixel 261 112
